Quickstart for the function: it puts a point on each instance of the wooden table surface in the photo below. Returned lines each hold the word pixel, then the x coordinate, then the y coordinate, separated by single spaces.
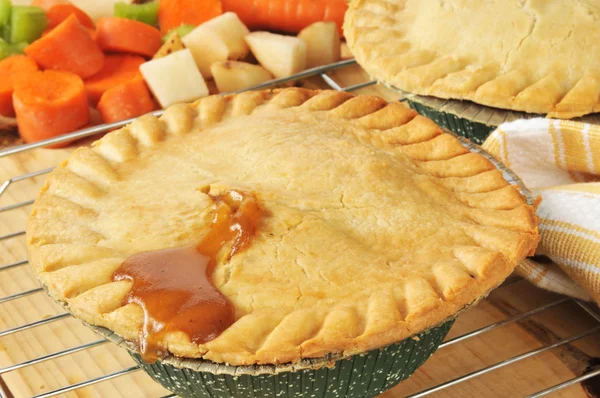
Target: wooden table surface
pixel 516 380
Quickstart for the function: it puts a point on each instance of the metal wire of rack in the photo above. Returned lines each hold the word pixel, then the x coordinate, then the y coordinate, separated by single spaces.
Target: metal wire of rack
pixel 319 71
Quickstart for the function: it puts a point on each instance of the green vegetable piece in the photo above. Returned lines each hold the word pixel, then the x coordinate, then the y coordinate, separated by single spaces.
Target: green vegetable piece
pixel 181 30
pixel 5 10
pixel 18 48
pixel 184 29
pixel 5 32
pixel 5 7
pixel 27 24
pixel 5 50
pixel 146 13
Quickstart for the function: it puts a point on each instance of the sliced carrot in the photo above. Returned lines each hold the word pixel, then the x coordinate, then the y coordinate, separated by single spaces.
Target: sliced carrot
pixel 92 33
pixel 48 4
pixel 127 35
pixel 49 103
pixel 68 47
pixel 118 69
pixel 60 12
pixel 286 15
pixel 174 13
pixel 125 101
pixel 10 68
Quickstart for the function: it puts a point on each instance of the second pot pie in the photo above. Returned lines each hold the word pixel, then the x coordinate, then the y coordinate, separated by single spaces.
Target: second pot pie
pixel 532 56
pixel 330 223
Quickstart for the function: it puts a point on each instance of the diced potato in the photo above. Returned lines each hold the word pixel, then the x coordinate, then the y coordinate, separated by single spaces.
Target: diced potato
pixel 219 39
pixel 174 78
pixel 172 44
pixel 234 75
pixel 281 55
pixel 98 8
pixel 322 43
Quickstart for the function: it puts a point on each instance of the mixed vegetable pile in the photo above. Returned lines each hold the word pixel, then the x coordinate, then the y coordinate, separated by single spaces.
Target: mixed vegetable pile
pixel 69 65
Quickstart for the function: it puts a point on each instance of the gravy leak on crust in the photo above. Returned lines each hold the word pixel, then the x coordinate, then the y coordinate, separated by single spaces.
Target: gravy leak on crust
pixel 173 286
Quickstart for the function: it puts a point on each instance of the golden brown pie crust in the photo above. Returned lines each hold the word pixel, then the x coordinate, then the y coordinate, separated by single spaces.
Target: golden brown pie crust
pixel 377 224
pixel 532 56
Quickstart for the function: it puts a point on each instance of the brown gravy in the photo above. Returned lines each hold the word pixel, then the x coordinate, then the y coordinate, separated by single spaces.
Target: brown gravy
pixel 173 286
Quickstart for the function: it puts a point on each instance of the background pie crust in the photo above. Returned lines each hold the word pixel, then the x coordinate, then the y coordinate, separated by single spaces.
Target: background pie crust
pixel 536 56
pixel 378 224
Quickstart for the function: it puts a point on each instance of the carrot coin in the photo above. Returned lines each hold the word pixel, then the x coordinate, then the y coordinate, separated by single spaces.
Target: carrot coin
pixel 49 103
pixel 118 69
pixel 68 47
pixel 10 68
pixel 125 101
pixel 128 36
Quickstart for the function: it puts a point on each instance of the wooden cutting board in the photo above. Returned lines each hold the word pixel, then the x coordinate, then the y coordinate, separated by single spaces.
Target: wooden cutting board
pixel 453 361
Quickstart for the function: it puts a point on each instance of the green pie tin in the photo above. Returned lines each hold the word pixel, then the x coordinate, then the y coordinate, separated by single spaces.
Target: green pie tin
pixel 468 119
pixel 363 375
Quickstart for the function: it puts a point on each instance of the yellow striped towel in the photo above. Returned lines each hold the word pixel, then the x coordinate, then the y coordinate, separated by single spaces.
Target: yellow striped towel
pixel 560 161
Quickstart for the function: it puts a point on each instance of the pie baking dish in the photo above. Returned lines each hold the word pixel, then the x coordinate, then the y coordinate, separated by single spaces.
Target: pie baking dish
pixel 537 57
pixel 374 229
pixel 468 119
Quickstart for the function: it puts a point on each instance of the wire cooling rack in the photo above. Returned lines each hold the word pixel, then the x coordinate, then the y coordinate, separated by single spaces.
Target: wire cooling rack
pixel 319 71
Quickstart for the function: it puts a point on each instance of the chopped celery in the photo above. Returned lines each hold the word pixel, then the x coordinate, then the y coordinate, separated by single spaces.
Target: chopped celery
pixel 27 24
pixel 181 30
pixel 5 6
pixel 184 29
pixel 18 48
pixel 7 49
pixel 5 32
pixel 146 13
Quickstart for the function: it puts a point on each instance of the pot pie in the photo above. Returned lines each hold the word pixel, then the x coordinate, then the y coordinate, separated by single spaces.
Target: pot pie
pixel 266 227
pixel 532 56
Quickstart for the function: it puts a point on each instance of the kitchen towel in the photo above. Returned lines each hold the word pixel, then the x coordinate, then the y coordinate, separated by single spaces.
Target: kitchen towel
pixel 559 161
